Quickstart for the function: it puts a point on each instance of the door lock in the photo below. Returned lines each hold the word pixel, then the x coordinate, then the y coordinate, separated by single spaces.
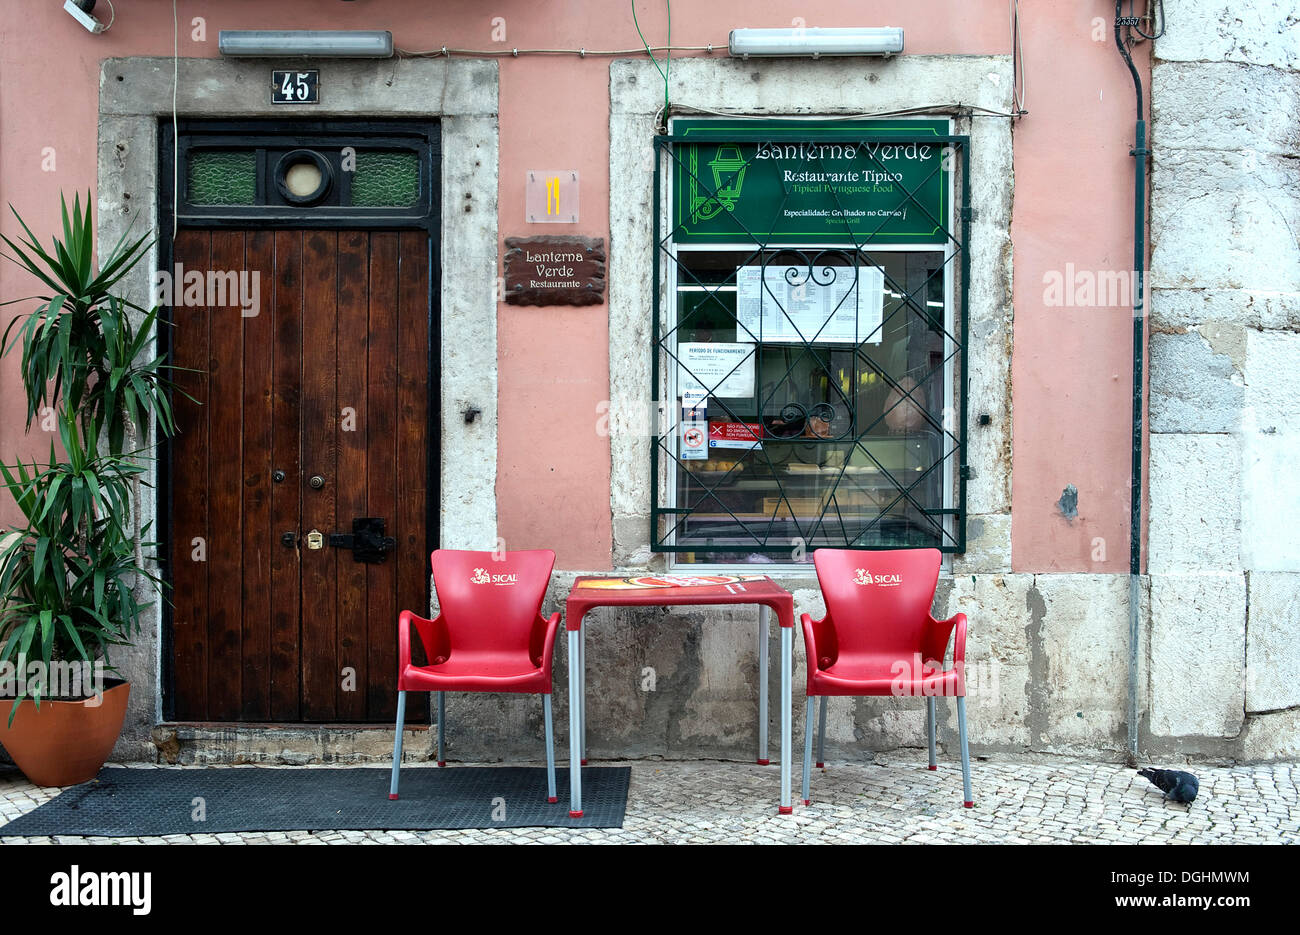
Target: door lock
pixel 315 539
pixel 367 541
pixel 317 482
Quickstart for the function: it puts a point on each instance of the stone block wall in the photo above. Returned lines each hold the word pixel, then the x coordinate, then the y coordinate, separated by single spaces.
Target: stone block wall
pixel 1224 355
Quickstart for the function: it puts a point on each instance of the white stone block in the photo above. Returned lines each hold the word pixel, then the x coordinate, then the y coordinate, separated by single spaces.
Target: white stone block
pixel 1270 502
pixel 1273 381
pixel 1193 388
pixel 1195 502
pixel 988 545
pixel 1224 106
pixel 1257 33
pixel 1084 637
pixel 1198 655
pixel 997 616
pixel 1273 642
pixel 1224 220
pixel 1252 308
pixel 1274 736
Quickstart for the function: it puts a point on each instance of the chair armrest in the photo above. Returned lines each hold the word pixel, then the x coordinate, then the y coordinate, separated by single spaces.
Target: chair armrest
pixel 936 639
pixel 818 650
pixel 809 639
pixel 433 637
pixel 543 642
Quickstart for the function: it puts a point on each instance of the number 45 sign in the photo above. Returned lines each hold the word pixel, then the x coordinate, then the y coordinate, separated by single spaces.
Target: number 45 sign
pixel 295 87
pixel 551 197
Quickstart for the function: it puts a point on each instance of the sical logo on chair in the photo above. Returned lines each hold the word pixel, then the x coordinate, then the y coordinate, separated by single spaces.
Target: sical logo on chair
pixel 862 576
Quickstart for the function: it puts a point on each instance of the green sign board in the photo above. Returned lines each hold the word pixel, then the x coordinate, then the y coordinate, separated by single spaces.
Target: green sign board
pixel 811 182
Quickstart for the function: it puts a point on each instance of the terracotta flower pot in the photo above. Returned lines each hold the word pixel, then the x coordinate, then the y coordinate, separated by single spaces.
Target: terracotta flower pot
pixel 65 742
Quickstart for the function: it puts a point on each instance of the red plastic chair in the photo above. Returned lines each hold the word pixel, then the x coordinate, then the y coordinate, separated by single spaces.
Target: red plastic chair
pixel 489 636
pixel 878 638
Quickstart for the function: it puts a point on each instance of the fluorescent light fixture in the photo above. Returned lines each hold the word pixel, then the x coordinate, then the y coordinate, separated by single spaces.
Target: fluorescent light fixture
pixel 80 10
pixel 312 43
pixel 815 42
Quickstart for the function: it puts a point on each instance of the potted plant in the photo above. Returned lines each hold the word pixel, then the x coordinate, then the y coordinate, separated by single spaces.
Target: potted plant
pixel 73 578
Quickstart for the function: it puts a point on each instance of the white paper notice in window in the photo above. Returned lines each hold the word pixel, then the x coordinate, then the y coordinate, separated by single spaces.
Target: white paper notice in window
pixel 706 369
pixel 782 303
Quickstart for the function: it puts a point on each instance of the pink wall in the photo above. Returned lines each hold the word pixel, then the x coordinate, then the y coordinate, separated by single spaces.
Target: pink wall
pixel 1073 204
pixel 1071 370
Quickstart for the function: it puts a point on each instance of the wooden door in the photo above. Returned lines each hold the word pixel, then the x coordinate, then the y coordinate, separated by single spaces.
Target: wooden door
pixel 325 375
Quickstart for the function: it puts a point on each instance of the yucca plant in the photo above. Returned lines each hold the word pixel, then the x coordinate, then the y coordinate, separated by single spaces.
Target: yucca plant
pixel 72 572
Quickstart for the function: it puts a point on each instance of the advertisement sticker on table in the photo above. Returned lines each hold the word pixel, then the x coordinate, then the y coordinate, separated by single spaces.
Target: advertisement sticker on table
pixel 665 581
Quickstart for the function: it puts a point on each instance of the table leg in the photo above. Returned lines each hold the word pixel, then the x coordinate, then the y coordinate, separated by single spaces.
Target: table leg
pixel 575 725
pixel 582 699
pixel 442 733
pixel 821 733
pixel 763 759
pixel 787 656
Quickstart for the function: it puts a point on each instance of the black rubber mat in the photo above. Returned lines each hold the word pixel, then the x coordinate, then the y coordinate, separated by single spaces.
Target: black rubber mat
pixel 130 802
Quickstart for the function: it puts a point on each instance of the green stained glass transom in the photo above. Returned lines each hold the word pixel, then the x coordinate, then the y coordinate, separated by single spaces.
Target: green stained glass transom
pixel 386 179
pixel 222 177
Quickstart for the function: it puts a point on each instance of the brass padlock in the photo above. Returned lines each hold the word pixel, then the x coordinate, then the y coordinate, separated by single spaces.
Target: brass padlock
pixel 315 540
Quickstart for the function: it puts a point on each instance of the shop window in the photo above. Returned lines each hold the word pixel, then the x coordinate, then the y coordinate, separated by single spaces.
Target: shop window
pixel 812 347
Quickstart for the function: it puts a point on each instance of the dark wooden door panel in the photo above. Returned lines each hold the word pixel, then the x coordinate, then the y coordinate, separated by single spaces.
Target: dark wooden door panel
pixel 381 461
pixel 412 400
pixel 189 566
pixel 320 670
pixel 225 490
pixel 329 378
pixel 350 470
pixel 286 495
pixel 259 539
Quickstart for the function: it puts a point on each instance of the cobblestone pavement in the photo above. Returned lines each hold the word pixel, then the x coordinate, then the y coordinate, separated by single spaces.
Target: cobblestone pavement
pixel 893 799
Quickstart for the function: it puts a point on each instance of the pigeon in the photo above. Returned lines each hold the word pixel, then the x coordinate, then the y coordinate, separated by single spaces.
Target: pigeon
pixel 1174 783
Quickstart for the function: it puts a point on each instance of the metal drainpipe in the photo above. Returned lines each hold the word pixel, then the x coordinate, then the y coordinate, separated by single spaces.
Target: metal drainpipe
pixel 1139 153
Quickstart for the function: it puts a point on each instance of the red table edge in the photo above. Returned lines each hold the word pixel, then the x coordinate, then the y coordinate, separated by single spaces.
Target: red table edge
pixel 575 608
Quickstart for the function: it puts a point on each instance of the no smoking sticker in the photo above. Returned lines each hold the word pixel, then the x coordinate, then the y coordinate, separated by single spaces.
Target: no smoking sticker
pixel 694 441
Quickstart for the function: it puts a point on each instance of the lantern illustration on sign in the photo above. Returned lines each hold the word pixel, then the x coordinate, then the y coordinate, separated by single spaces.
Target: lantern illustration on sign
pixel 728 168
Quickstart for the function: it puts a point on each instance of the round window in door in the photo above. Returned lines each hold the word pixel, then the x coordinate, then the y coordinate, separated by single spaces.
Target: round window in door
pixel 303 177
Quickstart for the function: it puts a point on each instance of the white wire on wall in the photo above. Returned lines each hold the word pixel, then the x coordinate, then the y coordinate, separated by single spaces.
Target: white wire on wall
pixel 1017 58
pixel 176 80
pixel 1018 84
pixel 581 53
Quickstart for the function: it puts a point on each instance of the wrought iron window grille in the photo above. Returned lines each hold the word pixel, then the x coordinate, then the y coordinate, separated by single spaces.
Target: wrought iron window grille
pixel 756 505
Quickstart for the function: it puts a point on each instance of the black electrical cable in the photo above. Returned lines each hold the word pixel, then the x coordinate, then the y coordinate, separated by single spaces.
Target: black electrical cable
pixel 1158 5
pixel 1120 21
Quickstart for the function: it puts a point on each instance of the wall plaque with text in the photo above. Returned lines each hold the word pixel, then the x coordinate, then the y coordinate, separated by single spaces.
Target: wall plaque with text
pixel 555 270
